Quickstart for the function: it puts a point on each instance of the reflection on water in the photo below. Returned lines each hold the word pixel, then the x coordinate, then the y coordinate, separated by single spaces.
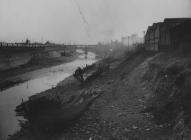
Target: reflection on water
pixel 46 79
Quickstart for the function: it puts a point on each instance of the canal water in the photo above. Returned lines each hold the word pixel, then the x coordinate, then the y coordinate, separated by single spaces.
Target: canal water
pixel 45 78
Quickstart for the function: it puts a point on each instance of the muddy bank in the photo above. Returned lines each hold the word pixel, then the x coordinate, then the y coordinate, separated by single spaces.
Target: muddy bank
pixel 13 60
pixel 11 77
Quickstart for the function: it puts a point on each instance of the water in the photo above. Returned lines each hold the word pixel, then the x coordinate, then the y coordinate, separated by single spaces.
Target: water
pixel 44 79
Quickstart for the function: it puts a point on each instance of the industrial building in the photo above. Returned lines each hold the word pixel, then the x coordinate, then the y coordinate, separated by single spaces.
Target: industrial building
pixel 173 33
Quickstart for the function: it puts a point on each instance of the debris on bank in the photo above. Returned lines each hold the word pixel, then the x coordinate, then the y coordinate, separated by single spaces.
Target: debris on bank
pixel 90 73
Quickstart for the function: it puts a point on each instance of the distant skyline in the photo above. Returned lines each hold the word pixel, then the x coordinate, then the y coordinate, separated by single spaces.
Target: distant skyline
pixel 83 21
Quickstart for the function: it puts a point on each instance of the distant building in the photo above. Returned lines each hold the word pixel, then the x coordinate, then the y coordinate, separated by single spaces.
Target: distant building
pixel 131 40
pixel 170 34
pixel 27 42
pixel 125 40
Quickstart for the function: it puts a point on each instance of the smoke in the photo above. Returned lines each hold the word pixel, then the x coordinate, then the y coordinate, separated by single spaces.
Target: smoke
pixel 86 25
pixel 189 6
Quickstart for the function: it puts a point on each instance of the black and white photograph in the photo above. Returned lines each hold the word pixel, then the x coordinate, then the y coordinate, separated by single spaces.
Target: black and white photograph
pixel 95 69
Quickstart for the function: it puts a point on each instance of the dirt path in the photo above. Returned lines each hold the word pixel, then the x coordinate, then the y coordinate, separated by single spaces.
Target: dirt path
pixel 117 113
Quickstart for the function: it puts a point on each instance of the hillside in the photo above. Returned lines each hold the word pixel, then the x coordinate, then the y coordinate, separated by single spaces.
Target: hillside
pixel 144 95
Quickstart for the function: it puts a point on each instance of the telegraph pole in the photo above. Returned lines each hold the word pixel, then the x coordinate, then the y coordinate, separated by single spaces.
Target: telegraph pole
pixel 128 42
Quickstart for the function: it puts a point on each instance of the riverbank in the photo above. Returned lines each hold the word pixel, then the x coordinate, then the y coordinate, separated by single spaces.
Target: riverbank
pixel 120 112
pixel 43 79
pixel 19 74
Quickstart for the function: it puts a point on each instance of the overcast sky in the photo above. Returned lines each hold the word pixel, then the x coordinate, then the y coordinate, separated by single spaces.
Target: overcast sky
pixel 83 21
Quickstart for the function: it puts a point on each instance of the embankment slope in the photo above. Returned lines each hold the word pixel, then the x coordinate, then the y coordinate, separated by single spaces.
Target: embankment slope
pixel 136 93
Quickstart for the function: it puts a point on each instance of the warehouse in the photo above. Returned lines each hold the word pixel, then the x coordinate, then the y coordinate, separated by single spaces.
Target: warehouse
pixel 169 34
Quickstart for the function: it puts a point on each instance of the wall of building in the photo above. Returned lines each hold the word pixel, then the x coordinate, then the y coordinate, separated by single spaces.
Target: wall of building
pixel 159 36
